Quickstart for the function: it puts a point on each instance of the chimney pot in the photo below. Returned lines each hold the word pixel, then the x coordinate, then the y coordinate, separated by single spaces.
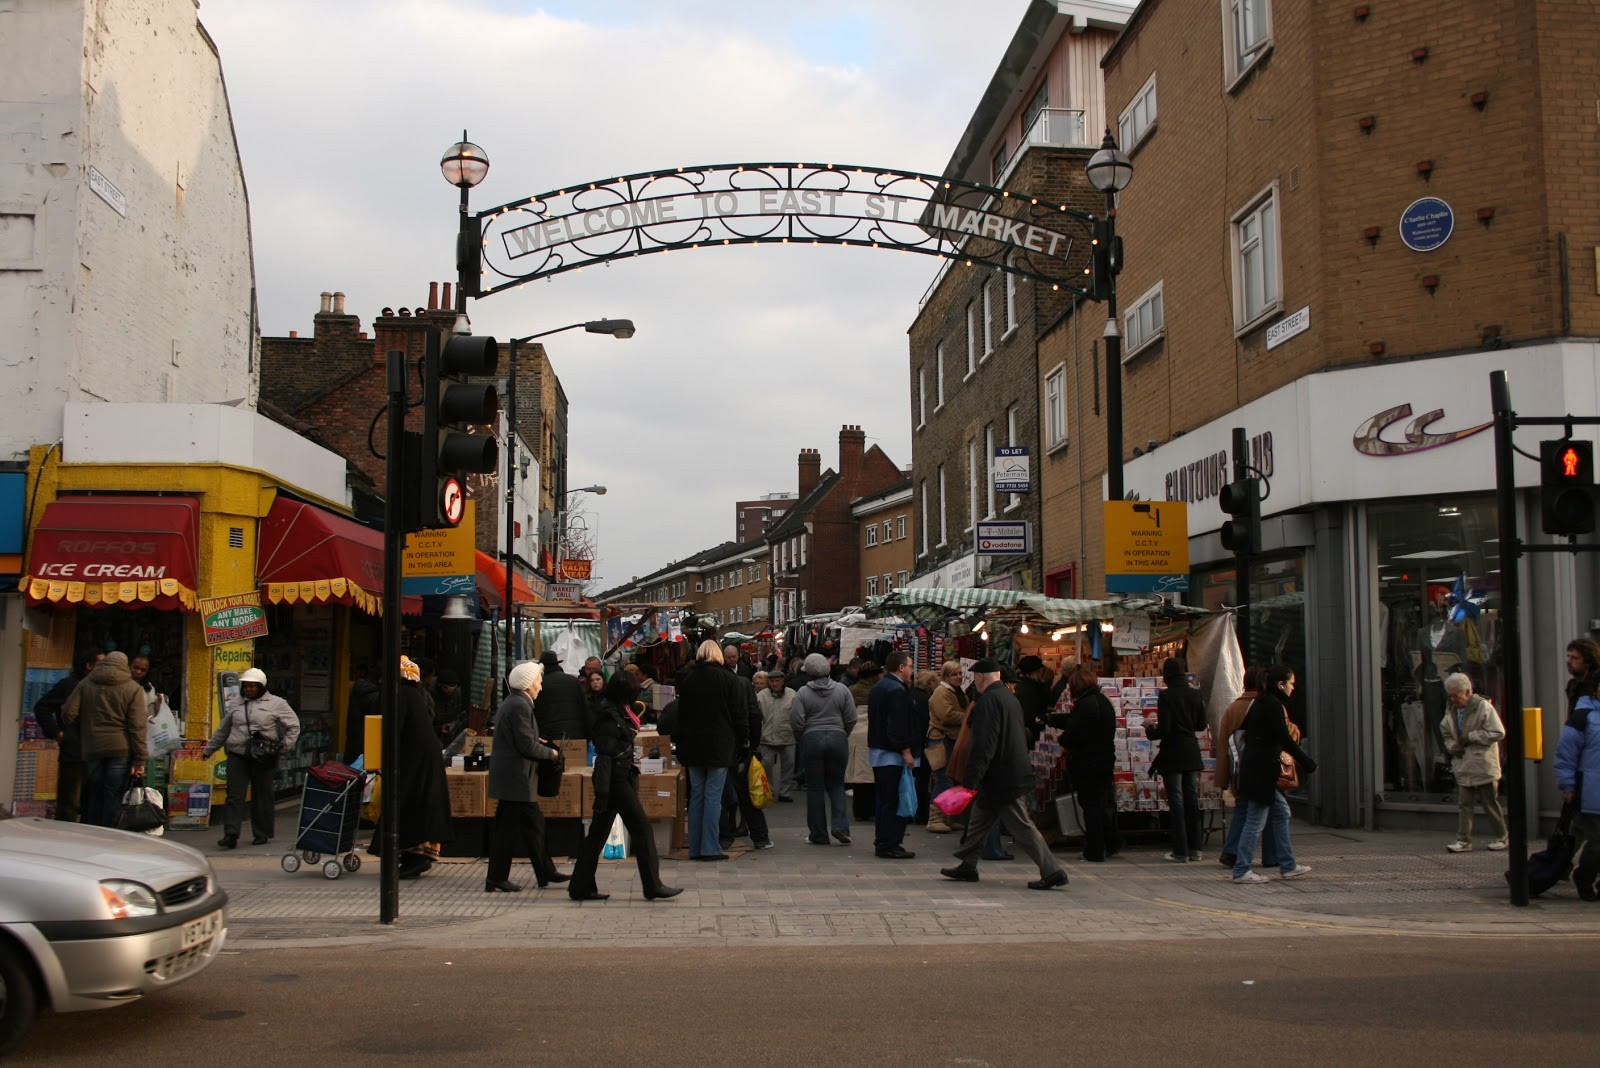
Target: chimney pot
pixel 433 296
pixel 338 304
pixel 327 303
pixel 294 333
pixel 444 300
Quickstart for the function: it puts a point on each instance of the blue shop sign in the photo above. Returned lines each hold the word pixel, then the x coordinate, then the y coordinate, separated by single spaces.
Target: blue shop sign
pixel 12 535
pixel 1426 224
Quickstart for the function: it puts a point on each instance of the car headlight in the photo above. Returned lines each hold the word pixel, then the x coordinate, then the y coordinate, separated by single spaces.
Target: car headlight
pixel 127 899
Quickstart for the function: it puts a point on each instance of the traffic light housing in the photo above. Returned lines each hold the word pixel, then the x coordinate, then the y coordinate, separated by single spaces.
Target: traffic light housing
pixel 1566 475
pixel 454 411
pixel 1241 499
pixel 1105 260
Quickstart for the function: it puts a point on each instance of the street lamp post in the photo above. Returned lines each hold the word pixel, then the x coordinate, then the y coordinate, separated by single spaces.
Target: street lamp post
pixel 1110 172
pixel 559 528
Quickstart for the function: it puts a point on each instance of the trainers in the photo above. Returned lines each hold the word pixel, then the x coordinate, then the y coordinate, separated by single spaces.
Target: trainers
pixel 844 839
pixel 1194 857
pixel 1295 873
pixel 1250 877
pixel 1498 844
pixel 1460 847
pixel 1174 858
pixel 765 843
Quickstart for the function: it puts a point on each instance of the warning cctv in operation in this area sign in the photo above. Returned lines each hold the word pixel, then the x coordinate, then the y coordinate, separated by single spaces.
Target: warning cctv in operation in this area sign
pixel 1147 546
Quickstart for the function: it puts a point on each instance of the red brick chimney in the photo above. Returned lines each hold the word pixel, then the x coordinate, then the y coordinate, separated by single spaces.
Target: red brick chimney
pixel 852 447
pixel 810 471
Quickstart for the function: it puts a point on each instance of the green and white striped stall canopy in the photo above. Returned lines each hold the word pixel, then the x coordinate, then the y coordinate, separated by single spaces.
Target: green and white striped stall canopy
pixel 1057 611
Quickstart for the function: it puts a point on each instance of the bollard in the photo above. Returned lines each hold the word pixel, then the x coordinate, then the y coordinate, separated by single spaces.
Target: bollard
pixel 1533 733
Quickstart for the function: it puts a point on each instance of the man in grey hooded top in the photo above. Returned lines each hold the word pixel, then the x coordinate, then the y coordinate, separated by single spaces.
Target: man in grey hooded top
pixel 823 716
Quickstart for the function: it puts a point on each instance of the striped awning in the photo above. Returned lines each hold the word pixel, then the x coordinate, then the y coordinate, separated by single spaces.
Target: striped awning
pixel 1058 611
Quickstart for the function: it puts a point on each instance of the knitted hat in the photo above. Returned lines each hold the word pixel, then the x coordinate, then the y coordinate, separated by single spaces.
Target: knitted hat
pixel 816 665
pixel 524 675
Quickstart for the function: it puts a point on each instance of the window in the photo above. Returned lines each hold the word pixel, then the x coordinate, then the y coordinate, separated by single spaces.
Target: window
pixel 924 518
pixel 1013 434
pixel 699 585
pixel 901 578
pixel 886 532
pixel 988 452
pixel 888 583
pixel 944 513
pixel 1055 408
pixel 872 585
pixel 1040 101
pixel 899 528
pixel 785 557
pixel 972 338
pixel 1256 283
pixel 1144 322
pixel 1139 117
pixel 802 550
pixel 872 534
pixel 988 319
pixel 1249 35
pixel 1011 302
pixel 938 377
pixel 922 397
pixel 803 599
pixel 972 483
pixel 998 163
pixel 775 559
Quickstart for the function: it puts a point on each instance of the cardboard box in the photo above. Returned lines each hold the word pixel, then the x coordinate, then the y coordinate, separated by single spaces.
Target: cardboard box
pixel 646 741
pixel 662 796
pixel 469 792
pixel 571 802
pixel 576 750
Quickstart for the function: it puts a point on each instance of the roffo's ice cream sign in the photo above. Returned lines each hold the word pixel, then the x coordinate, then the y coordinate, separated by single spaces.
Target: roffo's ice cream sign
pixel 774 203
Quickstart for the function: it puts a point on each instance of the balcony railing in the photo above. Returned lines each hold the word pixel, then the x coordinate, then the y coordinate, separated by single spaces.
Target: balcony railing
pixel 1062 127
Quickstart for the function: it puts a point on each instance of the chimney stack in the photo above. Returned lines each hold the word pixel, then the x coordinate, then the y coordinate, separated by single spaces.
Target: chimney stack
pixel 852 447
pixel 810 471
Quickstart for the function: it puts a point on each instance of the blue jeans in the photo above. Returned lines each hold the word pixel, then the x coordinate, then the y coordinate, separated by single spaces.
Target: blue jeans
pixel 1183 798
pixel 1256 816
pixel 705 810
pixel 1230 846
pixel 104 782
pixel 824 754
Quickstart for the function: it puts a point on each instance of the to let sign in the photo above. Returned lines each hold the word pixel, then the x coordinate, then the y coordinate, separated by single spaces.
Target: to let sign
pixel 1147 546
pixel 234 618
pixel 1006 537
pixel 1010 468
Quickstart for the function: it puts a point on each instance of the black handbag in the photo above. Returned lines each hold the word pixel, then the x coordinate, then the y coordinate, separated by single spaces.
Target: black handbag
pixel 139 814
pixel 549 774
pixel 263 747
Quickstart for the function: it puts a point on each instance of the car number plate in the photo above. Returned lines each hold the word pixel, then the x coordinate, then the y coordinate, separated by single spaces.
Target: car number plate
pixel 196 931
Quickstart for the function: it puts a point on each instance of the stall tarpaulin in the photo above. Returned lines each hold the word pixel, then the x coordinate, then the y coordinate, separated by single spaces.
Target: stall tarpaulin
pixel 1217 664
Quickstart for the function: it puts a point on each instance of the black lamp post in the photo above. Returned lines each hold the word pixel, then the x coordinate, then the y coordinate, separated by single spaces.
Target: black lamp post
pixel 465 165
pixel 1110 172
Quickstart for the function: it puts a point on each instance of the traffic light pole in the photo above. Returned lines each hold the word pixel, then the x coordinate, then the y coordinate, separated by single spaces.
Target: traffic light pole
pixel 394 543
pixel 1241 556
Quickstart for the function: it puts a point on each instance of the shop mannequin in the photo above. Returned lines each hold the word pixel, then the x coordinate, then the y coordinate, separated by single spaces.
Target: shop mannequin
pixel 1438 642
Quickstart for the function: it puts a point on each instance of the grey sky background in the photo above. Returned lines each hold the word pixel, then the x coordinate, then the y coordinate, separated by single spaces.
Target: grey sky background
pixel 743 355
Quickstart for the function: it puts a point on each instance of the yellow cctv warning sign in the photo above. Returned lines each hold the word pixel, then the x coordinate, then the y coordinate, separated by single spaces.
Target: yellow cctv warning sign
pixel 1147 546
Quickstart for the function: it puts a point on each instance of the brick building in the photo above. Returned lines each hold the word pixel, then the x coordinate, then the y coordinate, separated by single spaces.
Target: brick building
pixel 974 343
pixel 1341 221
pixel 885 543
pixel 729 583
pixel 754 518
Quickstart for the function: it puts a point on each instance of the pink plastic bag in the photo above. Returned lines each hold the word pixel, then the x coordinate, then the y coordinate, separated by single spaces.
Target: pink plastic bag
pixel 955 800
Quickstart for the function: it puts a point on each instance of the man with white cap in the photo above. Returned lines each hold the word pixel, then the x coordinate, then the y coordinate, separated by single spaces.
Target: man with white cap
pixel 254 711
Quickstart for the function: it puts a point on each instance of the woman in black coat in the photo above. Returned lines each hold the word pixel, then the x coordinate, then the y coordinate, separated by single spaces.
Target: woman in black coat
pixel 422 802
pixel 1089 736
pixel 615 786
pixel 514 784
pixel 1266 738
pixel 1180 716
pixel 712 730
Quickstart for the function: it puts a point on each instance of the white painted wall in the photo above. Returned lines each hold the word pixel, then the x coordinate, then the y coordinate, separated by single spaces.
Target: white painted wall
pixel 153 305
pixel 201 434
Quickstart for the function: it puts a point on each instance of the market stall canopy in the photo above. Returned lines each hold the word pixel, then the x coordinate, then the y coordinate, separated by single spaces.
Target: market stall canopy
pixel 123 551
pixel 308 556
pixel 492 583
pixel 929 602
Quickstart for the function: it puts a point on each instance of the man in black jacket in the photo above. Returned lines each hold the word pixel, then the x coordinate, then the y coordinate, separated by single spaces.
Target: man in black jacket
pixel 894 747
pixel 69 767
pixel 999 770
pixel 736 800
pixel 562 708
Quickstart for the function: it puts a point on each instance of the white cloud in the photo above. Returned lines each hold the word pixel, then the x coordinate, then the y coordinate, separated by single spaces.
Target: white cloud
pixel 743 356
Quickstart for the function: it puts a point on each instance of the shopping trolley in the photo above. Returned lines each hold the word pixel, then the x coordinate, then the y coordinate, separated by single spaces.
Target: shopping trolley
pixel 330 812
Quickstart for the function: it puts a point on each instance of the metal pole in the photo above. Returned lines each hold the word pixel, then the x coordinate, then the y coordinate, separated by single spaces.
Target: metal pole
pixel 1241 557
pixel 511 503
pixel 394 543
pixel 1505 421
pixel 1113 335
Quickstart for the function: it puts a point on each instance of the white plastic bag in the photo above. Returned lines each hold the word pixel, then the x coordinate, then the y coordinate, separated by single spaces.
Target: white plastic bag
pixel 617 842
pixel 162 734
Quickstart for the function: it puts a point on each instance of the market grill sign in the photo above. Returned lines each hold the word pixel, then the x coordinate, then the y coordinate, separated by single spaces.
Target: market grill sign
pixel 234 618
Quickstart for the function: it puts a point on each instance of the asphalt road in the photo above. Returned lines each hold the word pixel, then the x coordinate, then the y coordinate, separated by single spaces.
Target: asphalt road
pixel 1353 1000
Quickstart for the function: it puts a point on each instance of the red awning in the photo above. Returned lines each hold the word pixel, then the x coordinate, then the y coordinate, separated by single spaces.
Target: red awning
pixel 127 551
pixel 308 556
pixel 492 583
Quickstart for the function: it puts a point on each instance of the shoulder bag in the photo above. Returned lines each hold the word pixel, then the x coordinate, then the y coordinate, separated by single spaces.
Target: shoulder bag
pixel 548 773
pixel 1288 770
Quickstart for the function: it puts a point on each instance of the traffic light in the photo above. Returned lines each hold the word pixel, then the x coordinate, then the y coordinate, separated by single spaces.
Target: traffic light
pixel 1566 473
pixel 1241 499
pixel 454 412
pixel 1105 260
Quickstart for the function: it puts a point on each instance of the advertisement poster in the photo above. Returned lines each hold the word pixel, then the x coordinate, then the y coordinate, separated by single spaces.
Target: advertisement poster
pixel 233 618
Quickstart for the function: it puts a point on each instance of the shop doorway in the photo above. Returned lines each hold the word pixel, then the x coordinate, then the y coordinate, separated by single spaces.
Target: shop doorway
pixel 152 632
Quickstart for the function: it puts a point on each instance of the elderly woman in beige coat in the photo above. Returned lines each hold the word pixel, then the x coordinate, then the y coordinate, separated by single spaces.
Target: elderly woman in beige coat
pixel 1472 732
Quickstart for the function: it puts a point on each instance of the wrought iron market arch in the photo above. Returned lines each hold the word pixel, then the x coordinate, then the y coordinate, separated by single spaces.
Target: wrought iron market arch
pixel 774 203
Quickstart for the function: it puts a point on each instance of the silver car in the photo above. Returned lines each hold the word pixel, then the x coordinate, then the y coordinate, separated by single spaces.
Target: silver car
pixel 92 917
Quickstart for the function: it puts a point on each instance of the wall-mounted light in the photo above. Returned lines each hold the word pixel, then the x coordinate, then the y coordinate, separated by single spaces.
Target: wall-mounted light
pixel 1479 100
pixel 1419 55
pixel 1430 282
pixel 1361 12
pixel 1368 123
pixel 1372 233
pixel 1486 215
pixel 1377 348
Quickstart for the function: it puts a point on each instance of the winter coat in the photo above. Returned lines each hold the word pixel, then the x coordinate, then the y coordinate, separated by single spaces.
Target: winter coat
pixel 919 716
pixel 891 716
pixel 562 705
pixel 1578 756
pixel 1266 739
pixel 48 712
pixel 366 699
pixel 268 714
pixel 1089 736
pixel 612 731
pixel 423 797
pixel 947 710
pixel 752 714
pixel 513 766
pixel 107 711
pixel 822 705
pixel 713 721
pixel 1179 717
pixel 1033 695
pixel 1232 720
pixel 1473 734
pixel 776 728
pixel 998 766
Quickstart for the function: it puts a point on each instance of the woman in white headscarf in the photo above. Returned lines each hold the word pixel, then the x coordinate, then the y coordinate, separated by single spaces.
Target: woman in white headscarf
pixel 513 783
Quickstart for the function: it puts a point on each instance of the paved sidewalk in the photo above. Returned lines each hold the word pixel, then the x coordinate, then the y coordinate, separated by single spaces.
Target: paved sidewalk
pixel 797 893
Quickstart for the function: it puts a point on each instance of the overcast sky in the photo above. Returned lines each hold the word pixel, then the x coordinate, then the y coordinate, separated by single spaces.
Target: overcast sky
pixel 743 355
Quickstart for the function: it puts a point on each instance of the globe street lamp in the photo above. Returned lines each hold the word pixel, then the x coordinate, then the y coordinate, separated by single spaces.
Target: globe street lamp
pixel 464 165
pixel 1110 172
